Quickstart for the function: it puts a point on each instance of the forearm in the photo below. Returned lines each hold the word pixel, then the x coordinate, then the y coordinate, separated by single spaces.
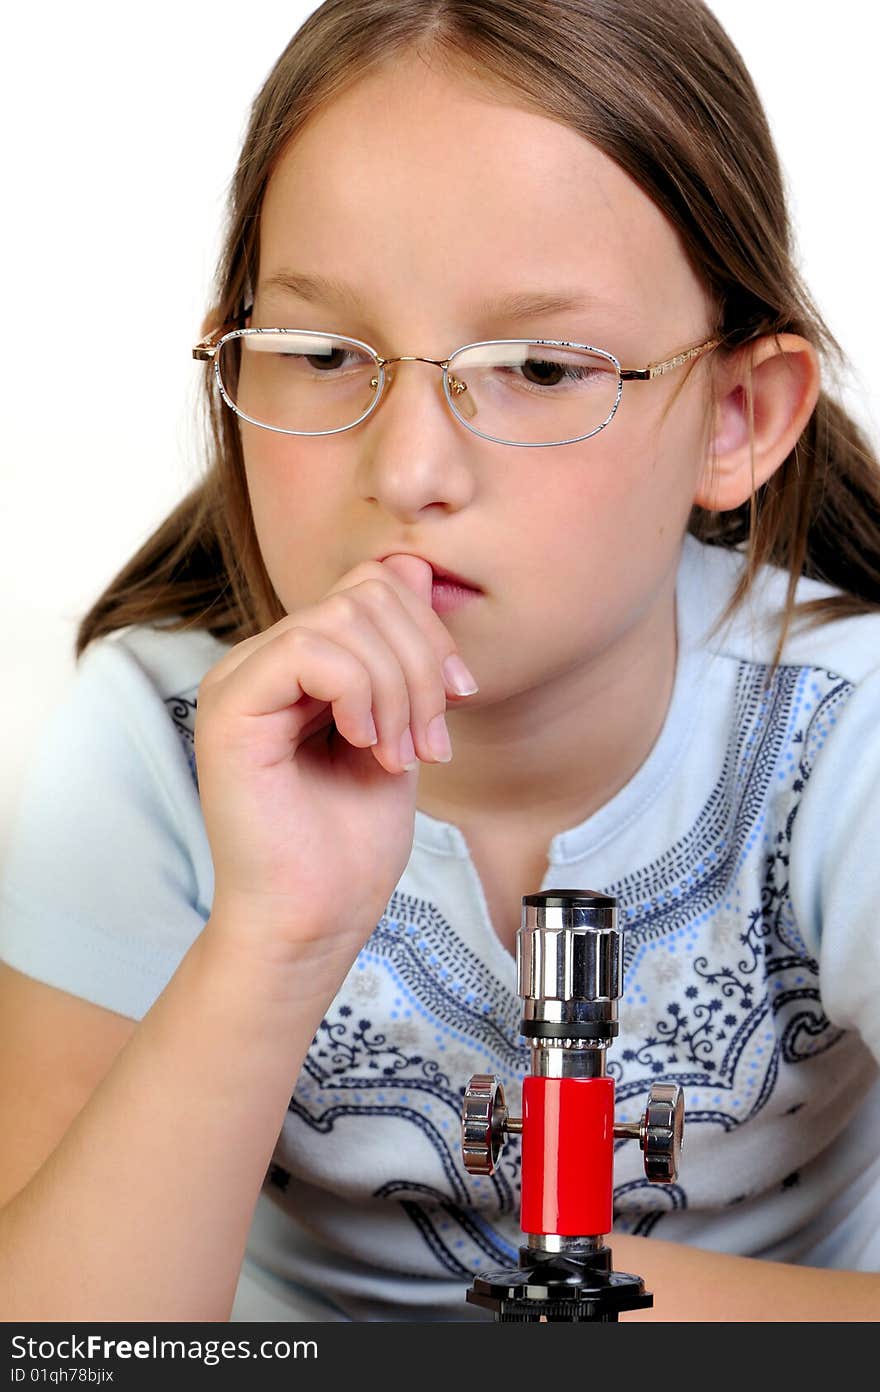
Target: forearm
pixel 143 1210
pixel 692 1285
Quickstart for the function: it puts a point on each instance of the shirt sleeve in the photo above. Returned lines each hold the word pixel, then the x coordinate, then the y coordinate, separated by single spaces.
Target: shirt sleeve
pixel 106 879
pixel 834 868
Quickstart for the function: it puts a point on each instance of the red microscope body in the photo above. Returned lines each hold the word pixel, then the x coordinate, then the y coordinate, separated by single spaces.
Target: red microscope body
pixel 569 964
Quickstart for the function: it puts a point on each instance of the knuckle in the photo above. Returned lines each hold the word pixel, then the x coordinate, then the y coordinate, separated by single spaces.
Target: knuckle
pixel 378 592
pixel 361 685
pixel 306 644
pixel 394 701
pixel 343 608
pixel 430 691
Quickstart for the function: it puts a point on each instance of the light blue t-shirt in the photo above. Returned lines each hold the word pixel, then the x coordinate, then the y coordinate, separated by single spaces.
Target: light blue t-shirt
pixel 745 853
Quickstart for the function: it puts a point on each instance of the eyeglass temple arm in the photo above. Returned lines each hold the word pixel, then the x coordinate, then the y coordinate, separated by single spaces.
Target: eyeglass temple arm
pixel 206 348
pixel 645 374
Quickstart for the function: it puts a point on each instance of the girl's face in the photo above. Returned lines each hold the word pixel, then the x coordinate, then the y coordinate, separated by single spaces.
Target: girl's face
pixel 427 197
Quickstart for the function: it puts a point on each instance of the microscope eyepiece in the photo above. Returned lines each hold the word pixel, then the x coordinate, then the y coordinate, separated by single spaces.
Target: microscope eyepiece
pixel 569 956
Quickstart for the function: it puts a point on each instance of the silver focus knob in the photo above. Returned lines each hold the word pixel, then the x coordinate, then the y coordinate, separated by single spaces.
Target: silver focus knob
pixel 485 1123
pixel 663 1127
pixel 659 1132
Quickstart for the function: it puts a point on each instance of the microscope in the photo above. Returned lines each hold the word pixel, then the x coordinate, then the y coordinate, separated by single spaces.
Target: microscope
pixel 569 954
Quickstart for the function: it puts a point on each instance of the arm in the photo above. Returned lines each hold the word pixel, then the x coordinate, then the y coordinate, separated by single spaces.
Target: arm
pixel 691 1285
pixel 142 1211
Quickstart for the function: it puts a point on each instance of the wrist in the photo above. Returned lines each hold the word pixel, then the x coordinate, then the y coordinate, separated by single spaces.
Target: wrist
pixel 307 968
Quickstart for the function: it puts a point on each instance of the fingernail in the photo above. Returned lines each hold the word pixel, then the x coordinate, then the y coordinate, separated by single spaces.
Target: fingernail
pixel 439 742
pixel 458 676
pixel 408 750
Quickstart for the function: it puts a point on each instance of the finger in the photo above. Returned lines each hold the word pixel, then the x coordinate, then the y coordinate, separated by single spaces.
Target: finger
pixel 418 576
pixel 415 573
pixel 378 710
pixel 370 621
pixel 373 621
pixel 412 579
pixel 274 679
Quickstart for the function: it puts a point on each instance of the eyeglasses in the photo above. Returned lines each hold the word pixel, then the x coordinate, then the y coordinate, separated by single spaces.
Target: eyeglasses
pixel 514 391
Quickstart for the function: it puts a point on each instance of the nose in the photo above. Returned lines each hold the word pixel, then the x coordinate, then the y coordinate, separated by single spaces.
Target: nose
pixel 414 454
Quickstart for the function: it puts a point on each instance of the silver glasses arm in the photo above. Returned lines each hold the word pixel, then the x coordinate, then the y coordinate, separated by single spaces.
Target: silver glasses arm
pixel 647 374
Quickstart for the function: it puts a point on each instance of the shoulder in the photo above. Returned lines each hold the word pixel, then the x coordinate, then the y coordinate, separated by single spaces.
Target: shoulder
pixel 135 692
pixel 846 648
pixel 153 658
pixel 110 795
pixel 128 711
pixel 807 747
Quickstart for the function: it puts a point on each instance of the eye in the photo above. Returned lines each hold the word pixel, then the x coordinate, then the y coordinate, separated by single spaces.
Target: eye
pixel 550 374
pixel 327 361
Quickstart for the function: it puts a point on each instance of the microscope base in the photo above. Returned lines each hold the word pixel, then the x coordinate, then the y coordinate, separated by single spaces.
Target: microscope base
pixel 557 1287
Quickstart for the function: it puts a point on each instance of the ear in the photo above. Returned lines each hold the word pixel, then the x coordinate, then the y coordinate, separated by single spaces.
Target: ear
pixel 765 394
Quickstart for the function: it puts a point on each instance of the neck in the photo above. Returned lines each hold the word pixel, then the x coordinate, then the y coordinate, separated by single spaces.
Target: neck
pixel 549 757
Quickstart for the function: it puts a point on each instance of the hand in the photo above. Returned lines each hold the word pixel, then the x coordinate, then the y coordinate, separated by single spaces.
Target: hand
pixel 310 825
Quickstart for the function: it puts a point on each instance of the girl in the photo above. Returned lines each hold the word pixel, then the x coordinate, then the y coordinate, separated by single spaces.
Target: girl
pixel 440 628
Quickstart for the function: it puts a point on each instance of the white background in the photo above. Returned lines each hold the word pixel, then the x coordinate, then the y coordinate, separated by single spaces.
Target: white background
pixel 121 131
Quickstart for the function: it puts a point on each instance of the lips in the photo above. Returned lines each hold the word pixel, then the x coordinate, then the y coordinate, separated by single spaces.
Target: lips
pixel 441 575
pixel 448 577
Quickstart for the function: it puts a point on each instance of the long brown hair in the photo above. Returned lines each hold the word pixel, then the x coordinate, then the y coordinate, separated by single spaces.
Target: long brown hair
pixel 659 87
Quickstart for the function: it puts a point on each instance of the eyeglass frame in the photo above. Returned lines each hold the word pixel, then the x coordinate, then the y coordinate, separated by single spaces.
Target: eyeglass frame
pixel 206 350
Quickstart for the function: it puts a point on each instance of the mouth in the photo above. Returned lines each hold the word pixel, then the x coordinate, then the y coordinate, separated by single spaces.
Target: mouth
pixel 449 591
pixel 443 578
pixel 449 578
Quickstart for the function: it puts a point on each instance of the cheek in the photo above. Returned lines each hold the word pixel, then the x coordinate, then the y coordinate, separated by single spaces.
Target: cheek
pixel 653 462
pixel 635 478
pixel 290 513
pixel 608 520
pixel 276 476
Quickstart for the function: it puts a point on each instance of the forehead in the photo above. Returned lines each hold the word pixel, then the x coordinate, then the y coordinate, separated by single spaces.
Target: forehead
pixel 417 181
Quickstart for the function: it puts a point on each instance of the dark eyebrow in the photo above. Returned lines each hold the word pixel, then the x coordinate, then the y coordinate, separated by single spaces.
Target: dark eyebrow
pixel 518 304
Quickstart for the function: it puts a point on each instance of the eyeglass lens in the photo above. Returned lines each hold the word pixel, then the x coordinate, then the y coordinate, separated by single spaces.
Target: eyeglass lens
pixel 520 393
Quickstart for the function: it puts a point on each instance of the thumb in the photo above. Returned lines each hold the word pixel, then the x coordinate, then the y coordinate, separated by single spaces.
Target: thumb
pixel 415 573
